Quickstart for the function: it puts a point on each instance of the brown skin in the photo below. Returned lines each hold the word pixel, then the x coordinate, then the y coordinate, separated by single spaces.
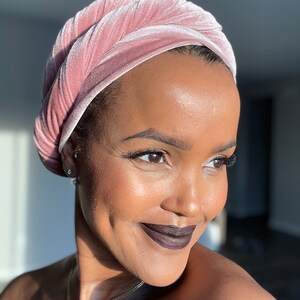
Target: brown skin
pixel 197 104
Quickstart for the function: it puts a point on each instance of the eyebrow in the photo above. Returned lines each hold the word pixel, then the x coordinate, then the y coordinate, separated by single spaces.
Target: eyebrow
pixel 226 147
pixel 155 135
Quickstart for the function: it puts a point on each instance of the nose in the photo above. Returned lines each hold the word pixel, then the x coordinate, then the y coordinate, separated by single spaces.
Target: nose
pixel 186 197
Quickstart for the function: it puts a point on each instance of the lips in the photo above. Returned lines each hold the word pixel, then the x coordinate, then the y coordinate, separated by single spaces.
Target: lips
pixel 169 236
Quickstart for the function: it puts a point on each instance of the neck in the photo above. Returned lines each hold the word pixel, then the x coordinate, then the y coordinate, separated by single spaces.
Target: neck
pixel 97 273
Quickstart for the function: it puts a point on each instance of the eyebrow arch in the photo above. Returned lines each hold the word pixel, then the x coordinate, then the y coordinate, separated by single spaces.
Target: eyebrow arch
pixel 153 134
pixel 226 147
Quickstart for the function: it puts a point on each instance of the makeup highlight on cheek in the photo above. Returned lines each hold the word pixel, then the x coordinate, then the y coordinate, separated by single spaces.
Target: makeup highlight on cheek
pixel 217 200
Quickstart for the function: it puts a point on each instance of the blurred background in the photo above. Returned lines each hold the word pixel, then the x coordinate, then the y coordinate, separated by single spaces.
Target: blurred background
pixel 261 224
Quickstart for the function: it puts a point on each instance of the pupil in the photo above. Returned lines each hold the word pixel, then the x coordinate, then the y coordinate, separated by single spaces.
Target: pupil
pixel 154 158
pixel 218 163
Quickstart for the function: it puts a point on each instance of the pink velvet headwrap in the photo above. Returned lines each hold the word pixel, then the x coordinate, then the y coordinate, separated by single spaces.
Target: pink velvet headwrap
pixel 100 44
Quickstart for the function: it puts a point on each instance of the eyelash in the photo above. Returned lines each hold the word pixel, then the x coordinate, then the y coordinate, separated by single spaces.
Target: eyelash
pixel 139 154
pixel 225 161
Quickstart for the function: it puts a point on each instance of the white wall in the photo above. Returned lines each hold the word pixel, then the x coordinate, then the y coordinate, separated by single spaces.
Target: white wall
pixel 36 207
pixel 285 166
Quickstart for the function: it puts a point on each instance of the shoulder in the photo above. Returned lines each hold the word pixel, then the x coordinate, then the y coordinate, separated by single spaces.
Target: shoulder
pixel 22 287
pixel 209 275
pixel 44 283
pixel 223 278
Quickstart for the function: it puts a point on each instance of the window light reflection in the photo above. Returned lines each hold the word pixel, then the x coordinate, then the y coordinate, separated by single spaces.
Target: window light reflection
pixel 14 149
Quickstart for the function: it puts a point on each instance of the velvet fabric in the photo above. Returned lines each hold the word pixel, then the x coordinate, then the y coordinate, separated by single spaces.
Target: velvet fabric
pixel 101 43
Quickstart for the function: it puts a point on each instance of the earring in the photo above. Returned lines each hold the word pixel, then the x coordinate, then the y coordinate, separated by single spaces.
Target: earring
pixel 76 181
pixel 76 155
pixel 69 172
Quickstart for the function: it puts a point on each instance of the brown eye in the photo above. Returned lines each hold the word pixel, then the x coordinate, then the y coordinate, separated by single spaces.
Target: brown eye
pixel 149 157
pixel 216 163
pixel 154 157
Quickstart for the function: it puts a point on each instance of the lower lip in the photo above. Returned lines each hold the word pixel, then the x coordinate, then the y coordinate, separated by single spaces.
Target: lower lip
pixel 167 241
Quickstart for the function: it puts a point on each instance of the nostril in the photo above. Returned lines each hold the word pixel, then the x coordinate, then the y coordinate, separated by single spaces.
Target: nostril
pixel 179 214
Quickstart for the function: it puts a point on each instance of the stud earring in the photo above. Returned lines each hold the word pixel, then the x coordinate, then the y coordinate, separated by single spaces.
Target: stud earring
pixel 75 155
pixel 69 172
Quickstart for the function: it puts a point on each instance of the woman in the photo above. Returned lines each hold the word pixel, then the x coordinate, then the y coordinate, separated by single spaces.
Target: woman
pixel 141 109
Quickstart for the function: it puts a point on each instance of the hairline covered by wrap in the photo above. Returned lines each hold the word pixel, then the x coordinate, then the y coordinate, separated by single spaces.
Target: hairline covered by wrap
pixel 100 44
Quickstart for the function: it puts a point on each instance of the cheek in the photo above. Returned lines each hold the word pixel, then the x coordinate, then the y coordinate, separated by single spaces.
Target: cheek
pixel 134 195
pixel 118 191
pixel 216 198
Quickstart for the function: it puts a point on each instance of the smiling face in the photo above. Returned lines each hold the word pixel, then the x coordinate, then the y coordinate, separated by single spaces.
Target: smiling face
pixel 153 175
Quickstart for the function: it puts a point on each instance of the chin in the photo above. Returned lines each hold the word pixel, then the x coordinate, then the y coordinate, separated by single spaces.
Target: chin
pixel 163 279
pixel 163 274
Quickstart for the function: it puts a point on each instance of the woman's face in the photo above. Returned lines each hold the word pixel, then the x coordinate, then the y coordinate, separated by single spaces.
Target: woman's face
pixel 154 175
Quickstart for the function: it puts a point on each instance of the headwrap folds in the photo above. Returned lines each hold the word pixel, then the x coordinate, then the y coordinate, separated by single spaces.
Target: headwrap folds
pixel 101 43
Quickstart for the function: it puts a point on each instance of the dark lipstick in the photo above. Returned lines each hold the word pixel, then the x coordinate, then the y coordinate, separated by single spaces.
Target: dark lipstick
pixel 169 236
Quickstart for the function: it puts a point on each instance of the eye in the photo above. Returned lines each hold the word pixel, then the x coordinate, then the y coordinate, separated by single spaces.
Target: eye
pixel 220 161
pixel 153 157
pixel 216 163
pixel 149 156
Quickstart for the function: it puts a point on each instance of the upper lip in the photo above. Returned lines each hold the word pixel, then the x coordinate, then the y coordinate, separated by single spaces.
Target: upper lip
pixel 172 230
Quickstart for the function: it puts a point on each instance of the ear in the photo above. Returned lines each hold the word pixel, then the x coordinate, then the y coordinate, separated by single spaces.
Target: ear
pixel 69 156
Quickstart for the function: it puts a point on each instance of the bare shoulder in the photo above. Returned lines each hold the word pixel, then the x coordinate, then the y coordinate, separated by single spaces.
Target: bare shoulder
pixel 22 287
pixel 222 278
pixel 44 283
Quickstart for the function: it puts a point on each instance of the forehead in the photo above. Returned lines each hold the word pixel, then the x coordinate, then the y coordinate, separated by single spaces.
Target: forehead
pixel 177 95
pixel 175 87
